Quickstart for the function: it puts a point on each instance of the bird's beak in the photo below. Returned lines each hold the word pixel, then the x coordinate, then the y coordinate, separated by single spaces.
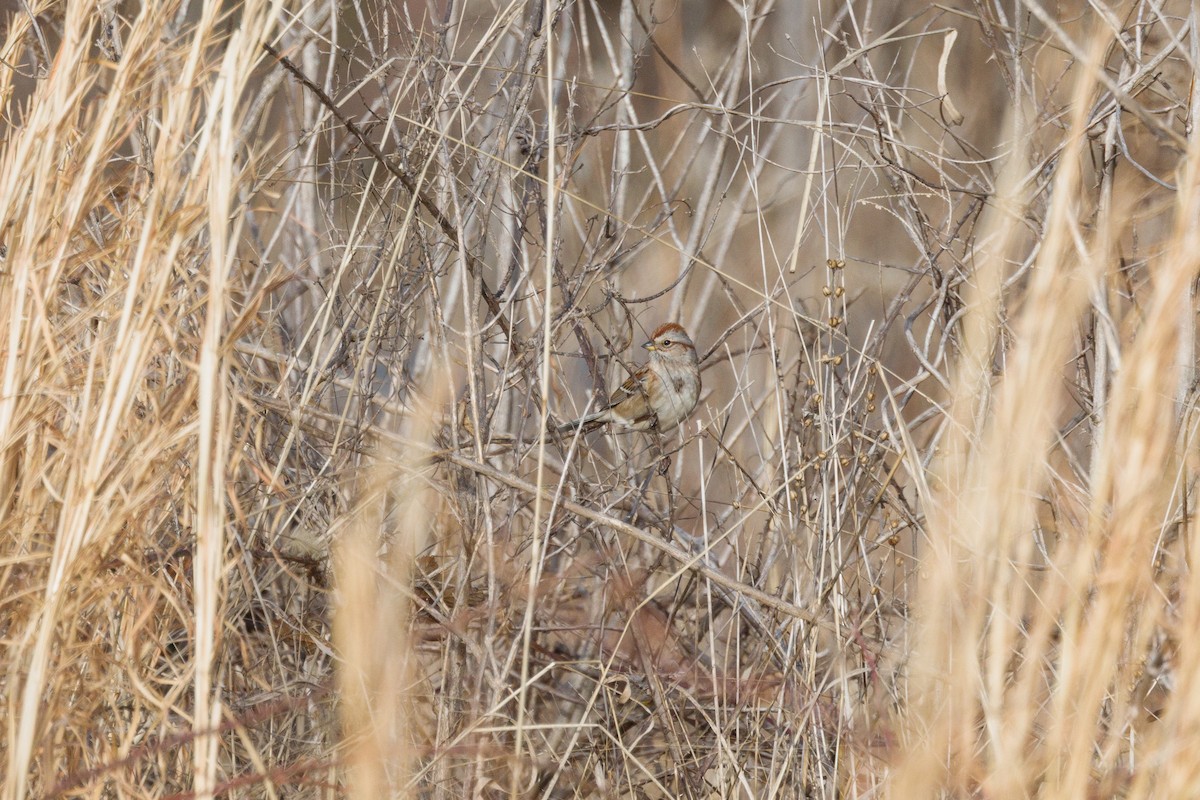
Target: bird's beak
pixel 649 346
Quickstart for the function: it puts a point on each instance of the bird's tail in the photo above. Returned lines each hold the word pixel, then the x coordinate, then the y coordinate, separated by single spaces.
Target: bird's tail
pixel 587 423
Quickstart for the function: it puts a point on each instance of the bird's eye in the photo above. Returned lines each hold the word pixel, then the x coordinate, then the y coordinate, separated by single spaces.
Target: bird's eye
pixel 666 343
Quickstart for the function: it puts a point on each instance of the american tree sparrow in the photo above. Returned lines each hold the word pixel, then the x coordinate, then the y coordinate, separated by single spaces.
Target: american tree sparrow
pixel 658 396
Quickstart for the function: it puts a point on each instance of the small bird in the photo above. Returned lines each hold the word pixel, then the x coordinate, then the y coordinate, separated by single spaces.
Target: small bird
pixel 658 396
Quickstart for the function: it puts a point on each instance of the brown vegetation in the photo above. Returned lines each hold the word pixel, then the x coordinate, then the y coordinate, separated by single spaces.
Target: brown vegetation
pixel 289 295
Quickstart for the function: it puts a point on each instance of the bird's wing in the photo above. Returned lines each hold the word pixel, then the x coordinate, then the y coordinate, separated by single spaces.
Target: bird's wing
pixel 632 385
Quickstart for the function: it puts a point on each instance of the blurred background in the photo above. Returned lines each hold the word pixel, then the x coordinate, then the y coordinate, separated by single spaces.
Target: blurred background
pixel 294 296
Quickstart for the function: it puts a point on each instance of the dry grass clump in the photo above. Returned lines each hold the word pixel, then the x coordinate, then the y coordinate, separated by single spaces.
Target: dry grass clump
pixel 290 295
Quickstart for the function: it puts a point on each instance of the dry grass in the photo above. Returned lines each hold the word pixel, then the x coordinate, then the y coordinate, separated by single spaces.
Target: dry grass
pixel 281 333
